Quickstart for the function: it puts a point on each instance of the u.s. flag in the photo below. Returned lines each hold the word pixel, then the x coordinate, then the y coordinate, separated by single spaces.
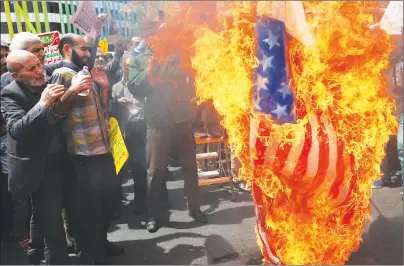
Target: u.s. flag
pixel 272 94
pixel 314 157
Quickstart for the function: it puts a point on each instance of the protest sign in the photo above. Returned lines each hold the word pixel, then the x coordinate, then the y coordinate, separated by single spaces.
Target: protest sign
pixel 103 45
pixel 50 41
pixel 117 145
pixel 85 18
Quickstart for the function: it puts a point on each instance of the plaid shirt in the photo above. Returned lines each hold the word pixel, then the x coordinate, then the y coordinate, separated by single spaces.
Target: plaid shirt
pixel 86 123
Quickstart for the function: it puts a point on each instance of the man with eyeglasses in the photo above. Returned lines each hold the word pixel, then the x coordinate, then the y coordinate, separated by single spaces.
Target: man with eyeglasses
pixel 85 127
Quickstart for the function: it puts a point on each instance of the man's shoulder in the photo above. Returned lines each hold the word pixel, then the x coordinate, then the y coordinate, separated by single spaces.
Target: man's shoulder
pixel 50 68
pixel 10 89
pixel 117 85
pixel 63 74
pixel 140 60
pixel 64 70
pixel 6 79
pixel 5 75
pixel 117 88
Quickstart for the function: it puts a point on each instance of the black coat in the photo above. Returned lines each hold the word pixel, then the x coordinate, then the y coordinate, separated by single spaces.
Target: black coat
pixel 29 137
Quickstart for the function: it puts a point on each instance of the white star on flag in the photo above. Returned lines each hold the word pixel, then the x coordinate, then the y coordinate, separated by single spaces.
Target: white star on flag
pixel 272 40
pixel 284 90
pixel 280 111
pixel 261 81
pixel 266 62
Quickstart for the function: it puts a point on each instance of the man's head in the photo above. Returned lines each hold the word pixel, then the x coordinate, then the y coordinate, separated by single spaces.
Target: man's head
pixel 125 66
pixel 100 59
pixel 26 68
pixel 3 53
pixel 75 49
pixel 133 43
pixel 29 42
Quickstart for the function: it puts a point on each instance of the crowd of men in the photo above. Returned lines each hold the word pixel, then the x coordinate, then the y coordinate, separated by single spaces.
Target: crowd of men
pixel 59 184
pixel 59 187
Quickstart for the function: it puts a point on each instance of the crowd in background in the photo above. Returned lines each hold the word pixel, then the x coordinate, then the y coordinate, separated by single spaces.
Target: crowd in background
pixel 59 189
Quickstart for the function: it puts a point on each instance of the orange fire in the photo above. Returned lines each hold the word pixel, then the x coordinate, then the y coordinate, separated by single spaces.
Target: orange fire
pixel 340 79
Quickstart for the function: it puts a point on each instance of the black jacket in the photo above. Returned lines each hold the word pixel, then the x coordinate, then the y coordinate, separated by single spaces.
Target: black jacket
pixel 29 137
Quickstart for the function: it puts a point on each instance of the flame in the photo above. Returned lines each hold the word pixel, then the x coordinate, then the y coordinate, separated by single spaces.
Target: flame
pixel 341 78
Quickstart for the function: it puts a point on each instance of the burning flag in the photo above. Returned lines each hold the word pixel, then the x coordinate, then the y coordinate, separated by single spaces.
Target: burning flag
pixel 310 136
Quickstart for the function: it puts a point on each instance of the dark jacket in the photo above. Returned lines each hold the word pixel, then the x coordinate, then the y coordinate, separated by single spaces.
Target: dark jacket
pixel 29 137
pixel 167 103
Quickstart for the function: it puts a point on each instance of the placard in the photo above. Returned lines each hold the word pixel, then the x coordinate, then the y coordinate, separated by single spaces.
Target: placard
pixel 50 41
pixel 117 145
pixel 84 18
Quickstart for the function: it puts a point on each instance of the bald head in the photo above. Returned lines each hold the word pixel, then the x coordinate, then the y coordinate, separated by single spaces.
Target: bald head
pixel 125 66
pixel 18 58
pixel 133 43
pixel 26 68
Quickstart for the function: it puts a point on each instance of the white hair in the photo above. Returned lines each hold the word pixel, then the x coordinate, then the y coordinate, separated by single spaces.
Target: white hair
pixel 21 39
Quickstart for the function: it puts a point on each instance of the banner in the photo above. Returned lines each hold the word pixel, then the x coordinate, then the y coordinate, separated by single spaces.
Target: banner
pixel 117 145
pixel 50 41
pixel 85 17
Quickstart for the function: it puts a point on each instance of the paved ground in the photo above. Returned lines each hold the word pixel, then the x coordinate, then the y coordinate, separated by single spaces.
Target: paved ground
pixel 229 236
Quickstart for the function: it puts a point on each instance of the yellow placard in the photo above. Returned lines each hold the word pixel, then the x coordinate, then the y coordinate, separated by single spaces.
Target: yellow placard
pixel 103 45
pixel 117 145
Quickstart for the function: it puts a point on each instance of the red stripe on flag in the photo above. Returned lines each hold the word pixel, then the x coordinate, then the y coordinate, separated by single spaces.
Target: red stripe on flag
pixel 336 186
pixel 281 156
pixel 353 187
pixel 301 165
pixel 323 157
pixel 267 251
pixel 260 147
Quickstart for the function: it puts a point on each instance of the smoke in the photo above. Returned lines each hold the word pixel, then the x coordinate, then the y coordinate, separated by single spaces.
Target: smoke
pixel 180 27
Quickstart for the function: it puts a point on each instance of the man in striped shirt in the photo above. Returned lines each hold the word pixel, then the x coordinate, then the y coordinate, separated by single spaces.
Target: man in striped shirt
pixel 85 126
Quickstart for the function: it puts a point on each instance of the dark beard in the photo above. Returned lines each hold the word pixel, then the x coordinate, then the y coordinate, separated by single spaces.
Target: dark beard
pixel 77 60
pixel 3 69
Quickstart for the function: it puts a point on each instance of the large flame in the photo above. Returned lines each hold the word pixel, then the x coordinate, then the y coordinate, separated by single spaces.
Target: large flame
pixel 340 79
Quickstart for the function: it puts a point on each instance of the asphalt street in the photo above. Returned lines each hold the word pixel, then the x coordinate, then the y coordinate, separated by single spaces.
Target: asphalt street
pixel 229 236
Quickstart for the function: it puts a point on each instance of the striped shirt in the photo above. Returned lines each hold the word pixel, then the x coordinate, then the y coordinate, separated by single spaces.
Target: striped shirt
pixel 86 123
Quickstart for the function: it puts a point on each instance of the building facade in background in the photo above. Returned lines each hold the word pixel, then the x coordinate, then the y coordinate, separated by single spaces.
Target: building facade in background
pixel 48 16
